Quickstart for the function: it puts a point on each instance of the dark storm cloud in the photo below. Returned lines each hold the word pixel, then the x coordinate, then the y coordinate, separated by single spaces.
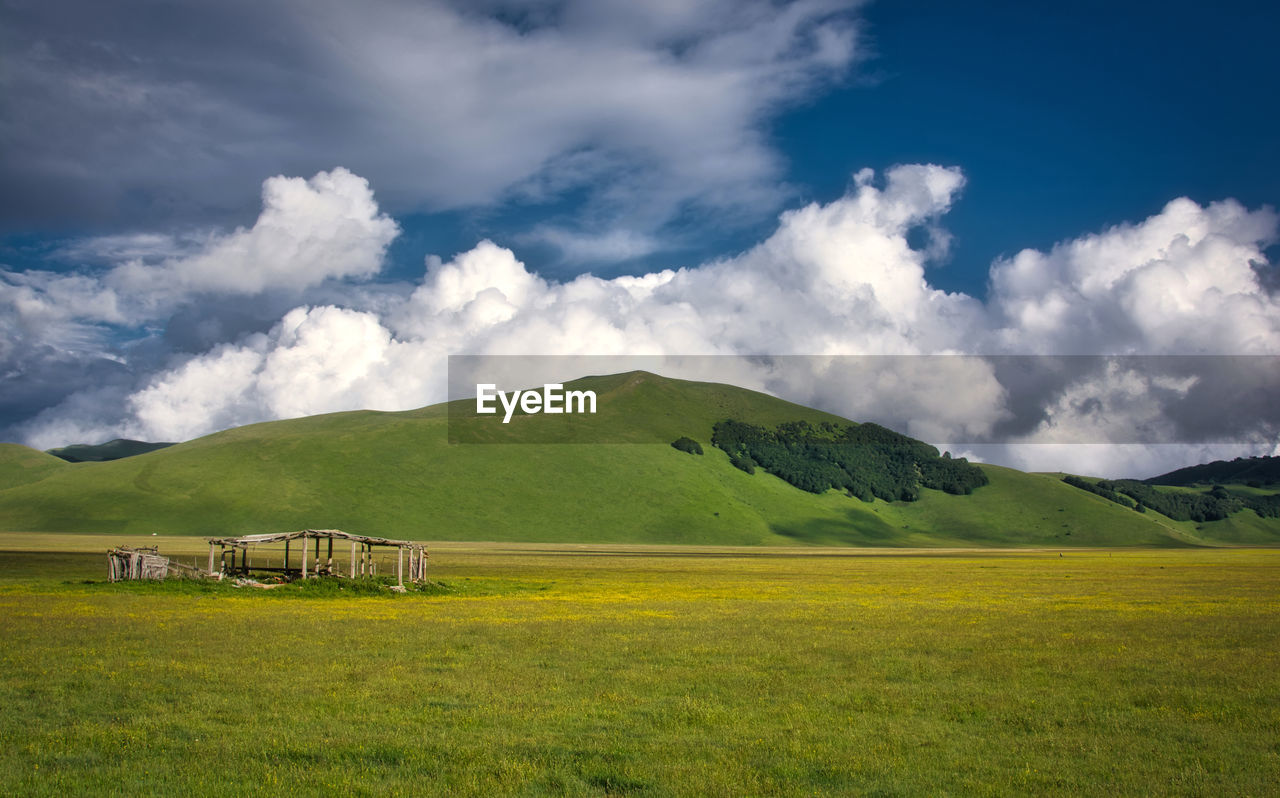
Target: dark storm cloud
pixel 139 113
pixel 120 111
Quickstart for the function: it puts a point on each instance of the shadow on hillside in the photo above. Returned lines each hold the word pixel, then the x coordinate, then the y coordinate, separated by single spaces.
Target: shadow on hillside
pixel 858 529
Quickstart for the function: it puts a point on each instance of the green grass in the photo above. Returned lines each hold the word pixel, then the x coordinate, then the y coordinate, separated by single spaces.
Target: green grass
pixel 653 671
pixel 396 474
pixel 20 465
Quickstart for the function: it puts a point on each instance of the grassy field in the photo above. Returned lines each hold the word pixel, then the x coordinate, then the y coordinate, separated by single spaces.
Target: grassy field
pixel 593 670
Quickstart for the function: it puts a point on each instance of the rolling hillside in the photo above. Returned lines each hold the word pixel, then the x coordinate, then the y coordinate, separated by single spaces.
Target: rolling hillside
pixel 396 474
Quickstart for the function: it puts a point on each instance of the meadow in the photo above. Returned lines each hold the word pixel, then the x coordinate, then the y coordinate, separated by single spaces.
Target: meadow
pixel 539 669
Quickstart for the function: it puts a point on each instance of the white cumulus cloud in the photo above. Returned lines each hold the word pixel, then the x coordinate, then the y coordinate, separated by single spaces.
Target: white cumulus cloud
pixel 1182 281
pixel 316 360
pixel 326 228
pixel 309 231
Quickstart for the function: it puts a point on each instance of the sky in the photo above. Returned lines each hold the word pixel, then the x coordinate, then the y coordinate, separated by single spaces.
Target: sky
pixel 213 214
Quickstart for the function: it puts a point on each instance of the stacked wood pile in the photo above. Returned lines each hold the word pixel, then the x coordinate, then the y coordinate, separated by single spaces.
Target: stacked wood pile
pixel 128 563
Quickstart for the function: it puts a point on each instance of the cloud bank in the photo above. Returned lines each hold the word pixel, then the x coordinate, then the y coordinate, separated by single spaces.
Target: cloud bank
pixel 834 279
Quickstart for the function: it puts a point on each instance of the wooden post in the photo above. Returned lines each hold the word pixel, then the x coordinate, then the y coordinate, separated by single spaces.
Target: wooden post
pixel 211 558
pixel 329 562
pixel 286 559
pixel 304 555
pixel 353 559
pixel 400 565
pixel 317 555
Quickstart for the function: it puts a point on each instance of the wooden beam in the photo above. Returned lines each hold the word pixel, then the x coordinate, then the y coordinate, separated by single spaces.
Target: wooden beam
pixel 304 558
pixel 400 566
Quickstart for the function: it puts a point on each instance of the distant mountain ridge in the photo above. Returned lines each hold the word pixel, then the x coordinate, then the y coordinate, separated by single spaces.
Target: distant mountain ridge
pixel 1253 471
pixel 117 449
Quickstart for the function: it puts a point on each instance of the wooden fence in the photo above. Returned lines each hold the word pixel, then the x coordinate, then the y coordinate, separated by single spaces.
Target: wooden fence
pixel 126 563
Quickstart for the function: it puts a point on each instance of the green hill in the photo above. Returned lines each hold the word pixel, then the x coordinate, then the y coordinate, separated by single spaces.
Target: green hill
pixel 396 474
pixel 20 465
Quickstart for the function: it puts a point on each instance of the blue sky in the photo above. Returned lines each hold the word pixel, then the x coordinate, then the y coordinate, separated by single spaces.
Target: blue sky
pixel 142 261
pixel 1067 118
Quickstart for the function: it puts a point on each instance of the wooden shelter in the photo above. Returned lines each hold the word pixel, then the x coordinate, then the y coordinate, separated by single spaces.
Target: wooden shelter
pixel 230 556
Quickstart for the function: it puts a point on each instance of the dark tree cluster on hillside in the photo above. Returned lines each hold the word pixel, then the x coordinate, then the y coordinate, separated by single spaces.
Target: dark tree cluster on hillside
pixel 1265 506
pixel 1211 505
pixel 686 444
pixel 1178 505
pixel 866 460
